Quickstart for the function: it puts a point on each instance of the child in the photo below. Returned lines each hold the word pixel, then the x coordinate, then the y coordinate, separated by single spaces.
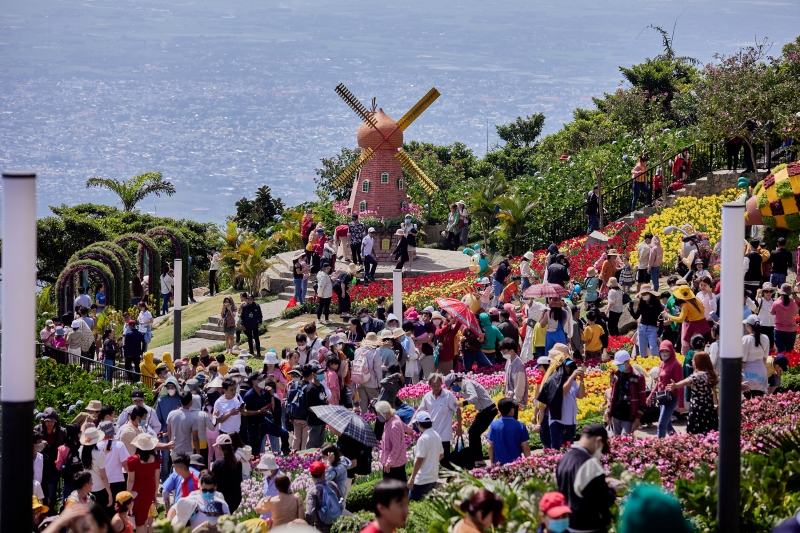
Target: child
pixel 332 379
pixel 380 312
pixel 412 359
pixel 60 340
pixel 487 294
pixel 626 275
pixel 223 368
pixel 539 339
pixel 511 290
pixel 591 286
pixel 592 337
pixel 698 344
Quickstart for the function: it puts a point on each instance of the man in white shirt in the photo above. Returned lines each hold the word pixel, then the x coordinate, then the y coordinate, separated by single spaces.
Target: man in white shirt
pixel 227 408
pixel 427 453
pixel 213 257
pixel 370 263
pixel 183 510
pixel 167 284
pixel 153 425
pixel 82 300
pixel 441 404
pixel 643 267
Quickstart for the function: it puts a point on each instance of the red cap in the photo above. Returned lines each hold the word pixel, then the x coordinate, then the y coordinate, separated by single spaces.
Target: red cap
pixel 317 469
pixel 554 504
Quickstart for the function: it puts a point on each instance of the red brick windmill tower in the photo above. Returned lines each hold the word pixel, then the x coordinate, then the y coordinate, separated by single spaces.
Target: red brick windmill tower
pixel 379 185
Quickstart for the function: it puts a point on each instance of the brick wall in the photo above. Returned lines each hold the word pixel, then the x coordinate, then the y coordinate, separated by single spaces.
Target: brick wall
pixel 384 198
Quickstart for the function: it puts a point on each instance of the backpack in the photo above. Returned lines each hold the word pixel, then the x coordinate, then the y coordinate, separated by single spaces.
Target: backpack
pixel 72 464
pixel 360 372
pixel 296 406
pixel 330 505
pixel 229 321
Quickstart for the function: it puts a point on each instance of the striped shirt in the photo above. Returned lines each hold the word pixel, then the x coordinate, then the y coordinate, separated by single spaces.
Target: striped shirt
pixel 475 394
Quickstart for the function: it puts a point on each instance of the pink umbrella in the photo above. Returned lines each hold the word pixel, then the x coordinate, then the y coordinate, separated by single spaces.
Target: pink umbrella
pixel 461 312
pixel 545 290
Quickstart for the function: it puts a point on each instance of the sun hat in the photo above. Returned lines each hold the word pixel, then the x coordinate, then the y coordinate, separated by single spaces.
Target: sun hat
pixel 76 324
pixel 387 335
pixel 235 371
pixel 399 233
pixel 371 230
pixel 191 384
pixel 683 293
pixel 216 382
pixel 335 339
pixel 144 441
pixel 423 416
pixel 352 268
pixel 94 405
pixel 543 360
pixel 622 357
pixel 39 506
pixel 398 332
pixel 612 251
pixel 460 202
pixel 197 460
pixel 91 436
pixel 752 320
pixel 49 323
pixel 108 429
pixel 786 289
pixel 591 272
pixel 681 281
pixel 767 286
pixel 295 372
pixel 371 339
pixel 558 349
pixel 271 358
pixel 647 289
pixel 60 331
pixel 554 504
pixel 412 314
pixel 124 497
pixel 267 462
pixel 223 439
pixel 317 469
pixel 244 354
pixel 528 256
pixel 213 507
pixel 184 509
pixel 485 281
pixel 437 314
pixel 613 283
pixel 428 309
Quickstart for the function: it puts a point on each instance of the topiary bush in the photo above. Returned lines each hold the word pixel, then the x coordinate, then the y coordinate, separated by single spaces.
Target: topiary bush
pixel 360 496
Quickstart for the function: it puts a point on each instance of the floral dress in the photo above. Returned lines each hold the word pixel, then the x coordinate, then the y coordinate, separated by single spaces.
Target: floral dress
pixel 703 416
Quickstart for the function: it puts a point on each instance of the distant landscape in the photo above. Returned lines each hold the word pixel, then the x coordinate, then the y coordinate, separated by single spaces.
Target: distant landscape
pixel 223 97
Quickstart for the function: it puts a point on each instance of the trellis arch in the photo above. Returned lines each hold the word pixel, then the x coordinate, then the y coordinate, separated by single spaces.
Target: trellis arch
pixel 180 244
pixel 65 285
pixel 117 260
pixel 127 266
pixel 147 248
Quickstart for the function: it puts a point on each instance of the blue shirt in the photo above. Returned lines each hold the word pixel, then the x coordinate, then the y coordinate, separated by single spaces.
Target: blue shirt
pixel 174 481
pixel 569 407
pixel 507 436
pixel 100 299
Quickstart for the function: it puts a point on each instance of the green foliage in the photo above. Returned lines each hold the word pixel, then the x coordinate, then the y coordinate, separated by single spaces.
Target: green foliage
pixel 121 272
pixel 95 268
pixel 352 524
pixel 762 200
pixel 60 386
pixel 513 214
pixel 46 308
pixel 790 382
pixel 784 189
pixel 360 496
pixel 298 310
pixel 589 128
pixel 776 170
pixel 136 189
pixel 769 221
pixel 174 237
pixel 330 170
pixel 260 213
pixel 523 131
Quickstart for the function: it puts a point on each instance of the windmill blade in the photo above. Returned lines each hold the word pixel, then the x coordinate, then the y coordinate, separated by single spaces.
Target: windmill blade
pixel 417 172
pixel 355 105
pixel 342 179
pixel 418 108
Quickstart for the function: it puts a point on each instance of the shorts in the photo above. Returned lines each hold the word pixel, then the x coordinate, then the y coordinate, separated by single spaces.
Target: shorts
pixel 642 275
pixel 774 380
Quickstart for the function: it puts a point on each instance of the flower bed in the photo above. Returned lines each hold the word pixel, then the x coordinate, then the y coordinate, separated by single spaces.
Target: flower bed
pixel 418 292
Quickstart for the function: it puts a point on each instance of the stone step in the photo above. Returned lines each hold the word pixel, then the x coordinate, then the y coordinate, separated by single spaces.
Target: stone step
pixel 210 335
pixel 279 270
pixel 214 319
pixel 209 326
pixel 287 296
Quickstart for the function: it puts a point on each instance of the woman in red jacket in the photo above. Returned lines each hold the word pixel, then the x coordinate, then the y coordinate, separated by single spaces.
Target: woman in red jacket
pixel 669 371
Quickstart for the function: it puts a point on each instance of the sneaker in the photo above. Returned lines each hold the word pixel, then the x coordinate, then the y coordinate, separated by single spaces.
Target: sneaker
pixel 328 322
pixel 235 348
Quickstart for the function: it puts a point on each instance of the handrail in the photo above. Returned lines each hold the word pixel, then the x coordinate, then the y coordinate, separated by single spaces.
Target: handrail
pixel 100 370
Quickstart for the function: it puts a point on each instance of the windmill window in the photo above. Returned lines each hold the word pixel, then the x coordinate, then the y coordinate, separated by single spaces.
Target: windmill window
pixel 400 184
pixel 403 205
pixel 365 186
pixel 385 178
pixel 362 206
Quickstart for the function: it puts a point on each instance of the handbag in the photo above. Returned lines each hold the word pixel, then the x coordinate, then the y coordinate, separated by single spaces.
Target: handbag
pixel 664 397
pixel 461 456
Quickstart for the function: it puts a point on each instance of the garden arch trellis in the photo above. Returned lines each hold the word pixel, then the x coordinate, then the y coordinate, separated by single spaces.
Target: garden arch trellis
pixel 118 261
pixel 180 244
pixel 147 260
pixel 65 285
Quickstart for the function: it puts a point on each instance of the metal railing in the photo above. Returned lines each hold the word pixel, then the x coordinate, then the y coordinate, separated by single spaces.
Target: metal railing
pixel 99 370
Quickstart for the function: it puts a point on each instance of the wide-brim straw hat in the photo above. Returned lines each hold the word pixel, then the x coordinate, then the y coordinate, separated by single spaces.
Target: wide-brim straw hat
pixel 786 289
pixel 591 272
pixel 613 283
pixel 558 349
pixel 144 441
pixel 398 332
pixel 216 382
pixel 611 252
pixel 371 339
pixel 91 436
pixel 267 462
pixel 528 256
pixel 683 293
pixel 648 290
pixel 94 405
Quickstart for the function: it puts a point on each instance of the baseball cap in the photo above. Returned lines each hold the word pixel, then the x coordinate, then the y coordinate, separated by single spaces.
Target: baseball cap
pixel 136 393
pixel 543 360
pixel 752 320
pixel 317 468
pixel 554 504
pixel 371 230
pixel 124 497
pixel 621 357
pixel 423 416
pixel 597 430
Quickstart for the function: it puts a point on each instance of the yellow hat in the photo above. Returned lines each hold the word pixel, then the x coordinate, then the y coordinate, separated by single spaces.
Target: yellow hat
pixel 39 506
pixel 124 497
pixel 683 293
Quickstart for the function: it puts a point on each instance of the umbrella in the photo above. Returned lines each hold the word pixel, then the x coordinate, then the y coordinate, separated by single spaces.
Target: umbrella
pixel 461 312
pixel 545 290
pixel 347 423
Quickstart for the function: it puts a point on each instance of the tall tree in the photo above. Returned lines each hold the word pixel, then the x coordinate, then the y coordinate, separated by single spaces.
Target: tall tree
pixel 330 170
pixel 260 213
pixel 513 214
pixel 134 190
pixel 523 131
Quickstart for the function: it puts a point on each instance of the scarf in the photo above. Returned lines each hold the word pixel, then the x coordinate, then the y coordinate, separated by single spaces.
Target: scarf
pixel 191 480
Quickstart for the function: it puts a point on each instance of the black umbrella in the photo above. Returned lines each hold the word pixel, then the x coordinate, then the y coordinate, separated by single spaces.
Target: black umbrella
pixel 347 423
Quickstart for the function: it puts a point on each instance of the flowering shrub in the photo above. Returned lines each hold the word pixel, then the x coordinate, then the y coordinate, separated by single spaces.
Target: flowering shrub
pixel 418 292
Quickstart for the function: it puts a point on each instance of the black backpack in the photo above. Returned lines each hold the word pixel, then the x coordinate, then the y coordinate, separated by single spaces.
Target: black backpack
pixel 72 464
pixel 296 406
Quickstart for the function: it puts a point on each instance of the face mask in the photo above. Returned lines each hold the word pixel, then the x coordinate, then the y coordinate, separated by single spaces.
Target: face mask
pixel 208 496
pixel 558 525
pixel 338 346
pixel 437 322
pixel 598 452
pixel 320 377
pixel 142 423
pixel 621 368
pixel 408 220
pixel 301 348
pixel 295 379
pixel 261 384
pixel 646 297
pixel 456 388
pixel 193 516
pixel 364 319
pixel 663 355
pixel 40 447
pixel 212 520
pixel 172 392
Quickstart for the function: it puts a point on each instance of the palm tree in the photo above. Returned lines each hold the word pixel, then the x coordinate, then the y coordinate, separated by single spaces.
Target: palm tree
pixel 136 189
pixel 251 261
pixel 287 233
pixel 514 210
pixel 483 202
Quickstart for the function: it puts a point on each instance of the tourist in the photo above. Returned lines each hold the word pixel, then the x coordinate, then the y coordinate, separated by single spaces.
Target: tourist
pixel 227 320
pixel 142 467
pixel 197 500
pixel 582 479
pixel 227 472
pixel 83 490
pixel 615 306
pixel 341 242
pixel 134 346
pixel 338 466
pixel 83 299
pixel 428 451
pixel 516 382
pixel 553 513
pixel 227 409
pixel 368 253
pixel 563 413
pixel 491 338
pixel 184 479
pixel 123 505
pixel 755 349
pixel 116 457
pixel 557 322
pixel 592 336
pixel 484 512
pixel 79 339
pixel 669 371
pixel 296 408
pixel 393 442
pixel 100 298
pixel 110 351
pixel 593 209
pixel 451 230
pixel 366 371
pixel 305 225
pixel 319 500
pixel 473 393
pixel 655 260
pixel 212 510
pixel 299 275
pixel 251 322
pixel 324 293
pixel 167 284
pixel 647 312
pixel 463 222
pixel 60 339
pixel 526 273
pixel 501 273
pixel 183 427
pixel 315 396
pixel 424 335
pixel 639 176
pixel 390 506
pixel 558 271
pixel 785 310
pixel 283 506
pixel 626 277
pixel 441 405
pixel 643 267
pixel 356 230
pixel 400 253
pixel 47 335
pixel 508 329
pixel 508 438
pixel 628 396
pixel 137 291
pixel 692 315
pixel 752 267
pixel 764 300
pixel 213 268
pixel 54 437
pixel 703 381
pixel 781 260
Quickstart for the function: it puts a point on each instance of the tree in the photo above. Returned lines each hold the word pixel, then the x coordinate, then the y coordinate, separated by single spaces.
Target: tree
pixel 260 213
pixel 250 259
pixel 483 202
pixel 136 189
pixel 513 214
pixel 516 157
pixel 331 168
pixel 523 131
pixel 287 233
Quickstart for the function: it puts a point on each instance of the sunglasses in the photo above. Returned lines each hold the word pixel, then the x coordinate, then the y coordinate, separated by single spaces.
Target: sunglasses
pixel 208 491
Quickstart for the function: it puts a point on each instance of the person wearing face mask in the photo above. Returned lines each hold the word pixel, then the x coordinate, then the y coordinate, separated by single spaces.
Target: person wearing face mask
pixel 256 405
pixel 553 513
pixel 368 323
pixel 315 395
pixel 648 311
pixel 669 371
pixel 136 425
pixel 580 476
pixel 212 510
pixel 306 354
pixel 475 394
pixel 168 401
pixel 183 427
pixel 628 396
pixel 191 509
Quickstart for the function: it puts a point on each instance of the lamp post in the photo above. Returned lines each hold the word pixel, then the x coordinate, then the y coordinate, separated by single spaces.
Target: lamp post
pixel 19 351
pixel 177 287
pixel 730 405
pixel 397 293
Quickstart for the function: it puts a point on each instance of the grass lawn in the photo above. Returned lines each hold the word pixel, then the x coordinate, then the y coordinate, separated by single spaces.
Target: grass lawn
pixel 192 317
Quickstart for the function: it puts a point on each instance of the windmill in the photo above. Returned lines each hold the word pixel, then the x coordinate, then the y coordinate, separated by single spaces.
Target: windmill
pixel 377 175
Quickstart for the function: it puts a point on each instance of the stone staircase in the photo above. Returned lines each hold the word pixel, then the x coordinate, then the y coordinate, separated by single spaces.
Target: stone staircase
pixel 211 330
pixel 713 183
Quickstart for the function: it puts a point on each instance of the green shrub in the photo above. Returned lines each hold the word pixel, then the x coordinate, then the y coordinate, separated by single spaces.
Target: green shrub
pixel 299 309
pixel 360 496
pixel 784 189
pixel 768 221
pixel 779 168
pixel 352 524
pixel 762 200
pixel 790 381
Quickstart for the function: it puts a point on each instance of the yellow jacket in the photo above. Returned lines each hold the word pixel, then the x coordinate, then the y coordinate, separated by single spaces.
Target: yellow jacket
pixel 690 313
pixel 166 358
pixel 148 369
